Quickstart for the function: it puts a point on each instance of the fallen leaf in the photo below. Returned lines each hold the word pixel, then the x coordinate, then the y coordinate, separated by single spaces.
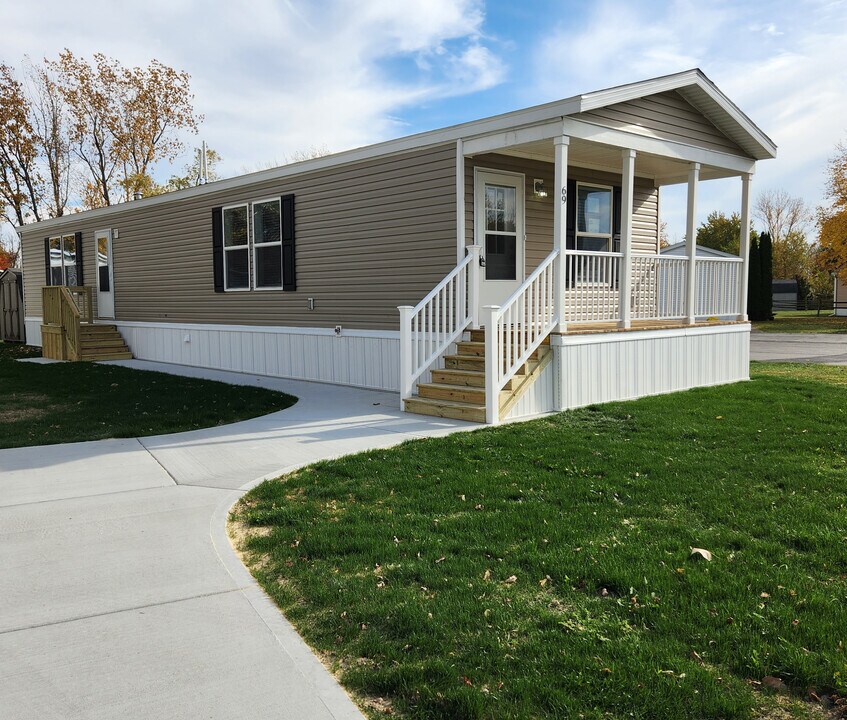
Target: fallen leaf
pixel 700 554
pixel 511 580
pixel 775 684
pixel 487 575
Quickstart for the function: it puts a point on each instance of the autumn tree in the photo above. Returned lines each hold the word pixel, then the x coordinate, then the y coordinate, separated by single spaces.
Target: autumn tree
pixel 793 256
pixel 9 251
pixel 50 126
pixel 21 185
pixel 123 121
pixel 832 219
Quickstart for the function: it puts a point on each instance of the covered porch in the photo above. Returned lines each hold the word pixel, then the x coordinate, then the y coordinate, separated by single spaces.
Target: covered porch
pixel 558 250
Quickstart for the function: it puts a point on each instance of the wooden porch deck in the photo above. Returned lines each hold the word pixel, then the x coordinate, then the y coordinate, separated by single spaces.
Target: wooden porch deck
pixel 611 326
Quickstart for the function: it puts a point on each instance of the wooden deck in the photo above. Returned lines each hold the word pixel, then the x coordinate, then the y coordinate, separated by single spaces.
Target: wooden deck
pixel 612 326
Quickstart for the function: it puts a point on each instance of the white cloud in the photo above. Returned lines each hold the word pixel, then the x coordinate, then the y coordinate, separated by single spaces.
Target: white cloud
pixel 791 82
pixel 276 76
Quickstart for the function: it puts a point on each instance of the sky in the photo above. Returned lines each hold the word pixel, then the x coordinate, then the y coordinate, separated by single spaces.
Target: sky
pixel 273 77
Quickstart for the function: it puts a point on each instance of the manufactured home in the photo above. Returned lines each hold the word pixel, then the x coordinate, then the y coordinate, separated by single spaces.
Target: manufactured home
pixel 495 269
pixel 840 297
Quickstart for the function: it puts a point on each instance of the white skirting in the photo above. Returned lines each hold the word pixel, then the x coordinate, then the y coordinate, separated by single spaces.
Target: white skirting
pixel 605 367
pixel 362 358
pixel 33 331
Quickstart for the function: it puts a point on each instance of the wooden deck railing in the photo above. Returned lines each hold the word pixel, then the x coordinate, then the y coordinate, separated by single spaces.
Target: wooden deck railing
pixel 64 308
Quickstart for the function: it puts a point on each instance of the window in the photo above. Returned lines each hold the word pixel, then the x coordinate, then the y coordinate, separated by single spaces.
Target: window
pixel 252 246
pixel 63 262
pixel 267 245
pixel 594 218
pixel 236 248
pixel 501 233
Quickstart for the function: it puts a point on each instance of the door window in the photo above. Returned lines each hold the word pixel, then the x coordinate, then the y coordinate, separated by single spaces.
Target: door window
pixel 501 238
pixel 104 281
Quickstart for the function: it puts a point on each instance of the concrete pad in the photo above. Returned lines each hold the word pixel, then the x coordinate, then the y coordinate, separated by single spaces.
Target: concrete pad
pixel 827 349
pixel 208 657
pixel 54 472
pixel 40 361
pixel 88 556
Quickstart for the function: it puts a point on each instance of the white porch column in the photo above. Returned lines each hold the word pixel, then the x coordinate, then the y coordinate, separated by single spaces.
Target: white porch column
pixel 492 389
pixel 460 200
pixel 745 245
pixel 627 189
pixel 691 242
pixel 560 215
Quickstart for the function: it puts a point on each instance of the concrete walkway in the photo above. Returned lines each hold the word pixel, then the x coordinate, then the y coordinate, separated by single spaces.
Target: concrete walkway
pixel 799 347
pixel 120 595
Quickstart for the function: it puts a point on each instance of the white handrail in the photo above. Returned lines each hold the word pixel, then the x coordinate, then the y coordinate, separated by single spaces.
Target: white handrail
pixel 437 321
pixel 516 329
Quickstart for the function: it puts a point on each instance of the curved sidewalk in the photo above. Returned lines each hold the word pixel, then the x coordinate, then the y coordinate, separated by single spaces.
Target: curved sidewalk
pixel 121 596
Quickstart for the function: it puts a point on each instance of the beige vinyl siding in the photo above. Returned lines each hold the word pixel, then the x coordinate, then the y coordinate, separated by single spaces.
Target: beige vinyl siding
pixel 369 236
pixel 667 116
pixel 840 292
pixel 539 211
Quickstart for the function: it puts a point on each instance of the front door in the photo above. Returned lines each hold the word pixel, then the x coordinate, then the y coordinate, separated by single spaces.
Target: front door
pixel 105 282
pixel 499 228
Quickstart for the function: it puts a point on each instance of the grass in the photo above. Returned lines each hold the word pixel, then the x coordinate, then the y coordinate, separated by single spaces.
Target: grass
pixel 67 402
pixel 803 321
pixel 542 570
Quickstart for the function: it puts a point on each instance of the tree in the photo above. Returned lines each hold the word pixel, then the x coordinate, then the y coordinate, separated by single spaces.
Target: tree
pixel 9 251
pixel 792 256
pixel 766 277
pixel 781 214
pixel 49 119
pixel 754 282
pixel 123 121
pixel 664 238
pixel 21 185
pixel 832 219
pixel 723 233
pixel 192 171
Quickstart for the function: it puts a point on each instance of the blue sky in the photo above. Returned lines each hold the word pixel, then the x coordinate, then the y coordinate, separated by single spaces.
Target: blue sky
pixel 277 76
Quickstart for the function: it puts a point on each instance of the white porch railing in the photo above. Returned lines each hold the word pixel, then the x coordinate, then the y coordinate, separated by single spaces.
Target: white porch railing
pixel 718 286
pixel 658 287
pixel 437 321
pixel 516 329
pixel 592 286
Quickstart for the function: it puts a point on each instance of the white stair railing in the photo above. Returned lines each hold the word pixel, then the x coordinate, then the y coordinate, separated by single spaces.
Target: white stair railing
pixel 429 328
pixel 516 329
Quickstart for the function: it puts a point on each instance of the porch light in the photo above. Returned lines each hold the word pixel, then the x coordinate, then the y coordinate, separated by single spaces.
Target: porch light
pixel 538 188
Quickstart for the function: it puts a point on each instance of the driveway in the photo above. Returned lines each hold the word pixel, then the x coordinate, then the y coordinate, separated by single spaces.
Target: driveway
pixel 799 347
pixel 120 595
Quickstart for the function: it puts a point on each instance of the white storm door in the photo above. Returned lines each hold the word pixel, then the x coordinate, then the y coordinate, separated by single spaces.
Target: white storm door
pixel 499 228
pixel 105 280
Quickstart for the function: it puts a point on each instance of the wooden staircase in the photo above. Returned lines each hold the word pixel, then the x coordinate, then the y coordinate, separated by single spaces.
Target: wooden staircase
pixel 102 342
pixel 458 390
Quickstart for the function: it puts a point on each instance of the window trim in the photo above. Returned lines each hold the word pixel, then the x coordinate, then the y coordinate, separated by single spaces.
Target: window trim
pixel 253 245
pixel 244 248
pixel 610 236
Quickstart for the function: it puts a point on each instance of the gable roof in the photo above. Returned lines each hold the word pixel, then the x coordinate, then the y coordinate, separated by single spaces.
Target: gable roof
pixel 704 96
pixel 693 85
pixel 680 249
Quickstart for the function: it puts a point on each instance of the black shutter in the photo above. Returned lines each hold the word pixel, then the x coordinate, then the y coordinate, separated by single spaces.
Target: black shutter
pixel 80 278
pixel 289 276
pixel 218 248
pixel 616 220
pixel 570 225
pixel 49 280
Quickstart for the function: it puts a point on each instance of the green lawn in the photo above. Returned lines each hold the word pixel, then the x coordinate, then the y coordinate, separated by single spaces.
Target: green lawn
pixel 66 402
pixel 804 321
pixel 542 570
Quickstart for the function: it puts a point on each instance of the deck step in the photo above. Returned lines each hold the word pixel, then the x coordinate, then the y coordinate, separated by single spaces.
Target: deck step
pixel 94 357
pixel 477 349
pixel 102 342
pixel 457 393
pixel 445 408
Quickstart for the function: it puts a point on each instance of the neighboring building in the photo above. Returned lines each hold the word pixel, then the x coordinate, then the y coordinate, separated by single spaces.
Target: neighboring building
pixel 550 213
pixel 840 298
pixel 786 295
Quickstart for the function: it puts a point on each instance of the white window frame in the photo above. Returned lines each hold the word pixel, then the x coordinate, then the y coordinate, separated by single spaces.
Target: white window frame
pixel 238 248
pixel 253 245
pixel 610 235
